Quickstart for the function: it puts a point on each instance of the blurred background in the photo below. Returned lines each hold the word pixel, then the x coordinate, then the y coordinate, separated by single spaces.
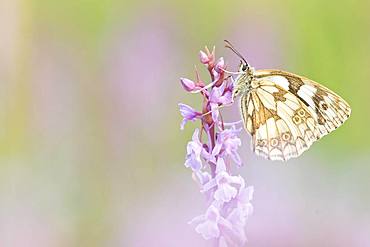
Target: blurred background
pixel 91 153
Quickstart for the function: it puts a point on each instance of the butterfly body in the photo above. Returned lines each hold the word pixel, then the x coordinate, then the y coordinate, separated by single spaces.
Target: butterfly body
pixel 285 113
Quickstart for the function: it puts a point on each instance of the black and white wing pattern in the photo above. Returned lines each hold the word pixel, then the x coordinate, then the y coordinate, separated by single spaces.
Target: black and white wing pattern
pixel 285 113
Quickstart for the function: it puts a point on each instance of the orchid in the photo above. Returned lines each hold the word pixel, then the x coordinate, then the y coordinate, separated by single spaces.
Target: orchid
pixel 188 113
pixel 210 154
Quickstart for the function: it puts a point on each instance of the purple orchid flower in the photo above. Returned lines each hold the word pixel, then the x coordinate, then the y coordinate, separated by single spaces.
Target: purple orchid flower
pixel 188 113
pixel 210 158
pixel 194 153
pixel 227 143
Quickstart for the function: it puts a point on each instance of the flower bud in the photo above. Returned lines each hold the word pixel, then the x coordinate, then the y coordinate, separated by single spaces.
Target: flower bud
pixel 220 65
pixel 187 84
pixel 204 58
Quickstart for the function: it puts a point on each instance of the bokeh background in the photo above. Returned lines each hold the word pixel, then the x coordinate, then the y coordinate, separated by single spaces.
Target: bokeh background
pixel 91 153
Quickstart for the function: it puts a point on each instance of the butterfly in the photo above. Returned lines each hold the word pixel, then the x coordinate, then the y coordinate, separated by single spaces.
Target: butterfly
pixel 285 113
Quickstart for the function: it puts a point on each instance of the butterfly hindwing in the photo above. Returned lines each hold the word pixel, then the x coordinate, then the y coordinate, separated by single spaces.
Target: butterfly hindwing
pixel 286 113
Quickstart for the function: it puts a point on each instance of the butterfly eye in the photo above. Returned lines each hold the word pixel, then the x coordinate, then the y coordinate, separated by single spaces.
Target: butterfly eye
pixel 244 67
pixel 235 93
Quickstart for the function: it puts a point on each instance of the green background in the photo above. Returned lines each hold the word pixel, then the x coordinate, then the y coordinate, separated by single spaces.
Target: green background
pixel 90 148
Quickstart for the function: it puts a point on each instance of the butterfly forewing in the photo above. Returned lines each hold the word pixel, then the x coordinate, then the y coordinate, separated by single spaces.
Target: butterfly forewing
pixel 286 113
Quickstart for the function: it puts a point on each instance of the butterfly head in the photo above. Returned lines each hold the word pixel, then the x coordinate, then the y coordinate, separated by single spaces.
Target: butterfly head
pixel 242 82
pixel 245 69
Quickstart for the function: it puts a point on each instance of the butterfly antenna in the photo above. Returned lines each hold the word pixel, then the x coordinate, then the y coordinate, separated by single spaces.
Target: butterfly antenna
pixel 231 47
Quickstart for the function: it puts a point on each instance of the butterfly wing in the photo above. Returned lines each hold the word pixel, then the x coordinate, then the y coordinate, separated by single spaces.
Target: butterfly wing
pixel 285 113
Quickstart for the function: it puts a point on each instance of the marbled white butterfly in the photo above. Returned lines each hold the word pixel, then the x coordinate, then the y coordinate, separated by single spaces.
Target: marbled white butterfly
pixel 285 113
